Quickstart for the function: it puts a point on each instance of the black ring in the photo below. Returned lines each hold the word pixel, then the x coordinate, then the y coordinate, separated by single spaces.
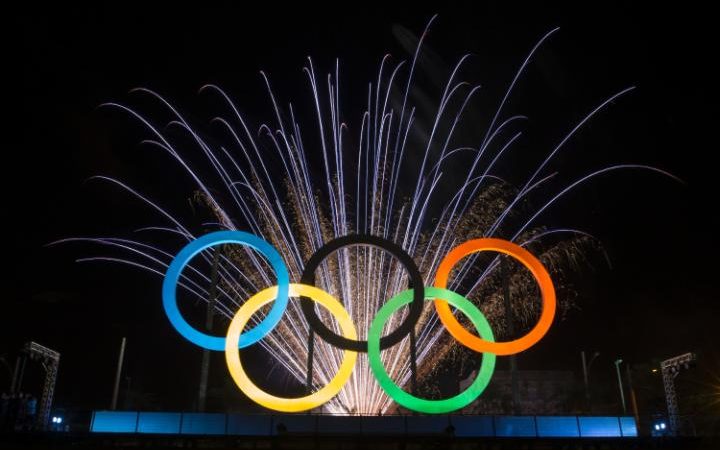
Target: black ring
pixel 416 283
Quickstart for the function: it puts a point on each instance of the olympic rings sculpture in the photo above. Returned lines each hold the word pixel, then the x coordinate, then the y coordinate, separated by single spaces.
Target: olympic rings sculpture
pixel 415 297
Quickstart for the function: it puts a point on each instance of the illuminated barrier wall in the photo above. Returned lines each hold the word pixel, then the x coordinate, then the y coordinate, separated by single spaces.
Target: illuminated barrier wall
pixel 267 425
pixel 566 426
pixel 159 423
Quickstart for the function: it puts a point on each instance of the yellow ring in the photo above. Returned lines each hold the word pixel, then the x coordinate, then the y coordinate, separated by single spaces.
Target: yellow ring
pixel 232 357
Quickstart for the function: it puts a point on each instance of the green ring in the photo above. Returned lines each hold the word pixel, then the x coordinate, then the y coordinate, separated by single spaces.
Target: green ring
pixel 410 401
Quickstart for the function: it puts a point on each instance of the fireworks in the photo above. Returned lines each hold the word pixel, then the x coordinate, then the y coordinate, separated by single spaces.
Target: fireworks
pixel 384 176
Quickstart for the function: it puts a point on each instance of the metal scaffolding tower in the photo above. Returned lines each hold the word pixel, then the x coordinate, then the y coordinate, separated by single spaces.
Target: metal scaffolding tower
pixel 670 369
pixel 50 359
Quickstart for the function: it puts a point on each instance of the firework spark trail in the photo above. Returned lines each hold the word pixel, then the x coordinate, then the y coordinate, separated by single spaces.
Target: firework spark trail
pixel 297 220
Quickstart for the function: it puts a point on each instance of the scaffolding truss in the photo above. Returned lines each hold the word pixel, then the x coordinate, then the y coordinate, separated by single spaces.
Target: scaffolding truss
pixel 670 370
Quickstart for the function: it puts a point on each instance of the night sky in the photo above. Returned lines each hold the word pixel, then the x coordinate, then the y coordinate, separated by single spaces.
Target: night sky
pixel 657 300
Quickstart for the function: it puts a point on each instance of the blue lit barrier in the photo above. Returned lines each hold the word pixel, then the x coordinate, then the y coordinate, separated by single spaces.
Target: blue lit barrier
pixel 473 426
pixel 114 422
pixel 199 423
pixel 383 425
pixel 337 425
pixel 599 427
pixel 294 424
pixel 242 425
pixel 265 425
pixel 417 425
pixel 561 426
pixel 159 423
pixel 628 427
pixel 515 426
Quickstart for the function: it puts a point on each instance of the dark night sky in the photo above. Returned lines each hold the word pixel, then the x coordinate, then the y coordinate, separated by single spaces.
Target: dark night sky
pixel 658 300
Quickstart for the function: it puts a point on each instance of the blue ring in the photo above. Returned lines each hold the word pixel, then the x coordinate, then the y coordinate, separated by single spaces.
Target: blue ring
pixel 218 238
